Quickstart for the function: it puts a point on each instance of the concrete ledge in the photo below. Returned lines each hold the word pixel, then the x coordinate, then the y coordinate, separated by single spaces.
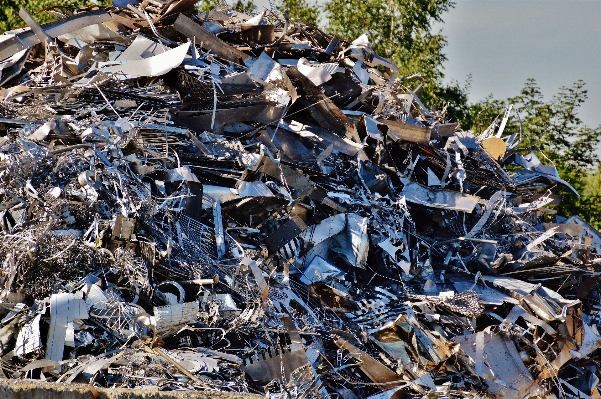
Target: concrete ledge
pixel 31 389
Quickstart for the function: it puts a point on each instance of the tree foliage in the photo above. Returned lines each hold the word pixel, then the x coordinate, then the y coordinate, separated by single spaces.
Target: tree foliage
pixel 301 10
pixel 248 7
pixel 297 9
pixel 9 11
pixel 554 130
pixel 402 31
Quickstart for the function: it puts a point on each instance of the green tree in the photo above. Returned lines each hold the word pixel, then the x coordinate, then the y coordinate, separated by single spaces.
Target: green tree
pixel 554 129
pixel 402 31
pixel 246 8
pixel 301 10
pixel 207 5
pixel 9 12
pixel 588 204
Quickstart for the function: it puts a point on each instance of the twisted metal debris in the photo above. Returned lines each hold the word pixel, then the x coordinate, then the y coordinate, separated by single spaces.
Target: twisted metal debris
pixel 240 203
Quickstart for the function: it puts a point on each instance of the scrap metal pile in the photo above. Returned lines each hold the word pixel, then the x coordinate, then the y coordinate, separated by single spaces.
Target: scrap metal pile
pixel 216 201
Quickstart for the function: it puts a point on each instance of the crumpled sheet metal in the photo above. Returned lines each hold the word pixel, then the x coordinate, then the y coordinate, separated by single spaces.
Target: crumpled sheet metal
pixel 244 203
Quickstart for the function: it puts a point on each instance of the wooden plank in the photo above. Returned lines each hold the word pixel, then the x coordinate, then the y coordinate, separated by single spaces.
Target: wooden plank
pixel 495 147
pixel 404 131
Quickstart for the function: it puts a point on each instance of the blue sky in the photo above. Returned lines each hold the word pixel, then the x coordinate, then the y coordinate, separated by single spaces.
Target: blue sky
pixel 501 43
pixel 504 42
